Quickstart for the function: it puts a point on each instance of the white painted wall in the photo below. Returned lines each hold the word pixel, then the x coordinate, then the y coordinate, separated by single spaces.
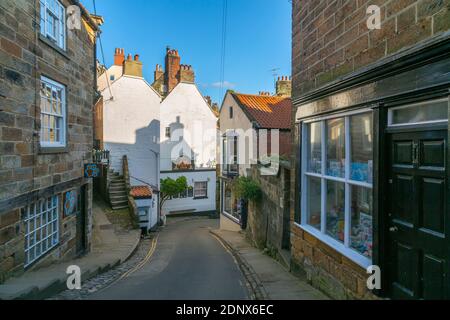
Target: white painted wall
pixel 104 79
pixel 239 123
pixel 191 204
pixel 197 127
pixel 152 217
pixel 198 124
pixel 131 127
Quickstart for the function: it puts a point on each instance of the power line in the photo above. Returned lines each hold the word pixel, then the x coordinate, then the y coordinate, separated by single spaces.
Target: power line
pixel 224 45
pixel 103 55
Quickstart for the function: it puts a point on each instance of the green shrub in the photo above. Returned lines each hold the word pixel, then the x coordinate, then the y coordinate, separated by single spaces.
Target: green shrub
pixel 247 189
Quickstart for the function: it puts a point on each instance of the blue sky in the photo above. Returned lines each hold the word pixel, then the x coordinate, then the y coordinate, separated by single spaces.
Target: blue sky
pixel 258 38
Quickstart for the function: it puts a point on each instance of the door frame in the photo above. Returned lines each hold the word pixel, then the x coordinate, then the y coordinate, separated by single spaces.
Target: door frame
pixel 381 187
pixel 381 166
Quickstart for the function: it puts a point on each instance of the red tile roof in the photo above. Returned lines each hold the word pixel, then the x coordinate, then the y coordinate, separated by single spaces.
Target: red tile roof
pixel 270 112
pixel 141 192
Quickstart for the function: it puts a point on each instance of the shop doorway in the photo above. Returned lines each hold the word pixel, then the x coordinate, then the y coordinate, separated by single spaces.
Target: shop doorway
pixel 81 223
pixel 417 222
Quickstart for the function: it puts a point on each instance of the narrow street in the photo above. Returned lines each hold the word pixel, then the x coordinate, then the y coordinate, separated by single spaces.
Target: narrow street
pixel 187 263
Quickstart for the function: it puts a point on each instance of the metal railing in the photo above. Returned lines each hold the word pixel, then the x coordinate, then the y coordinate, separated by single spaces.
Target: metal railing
pixel 101 156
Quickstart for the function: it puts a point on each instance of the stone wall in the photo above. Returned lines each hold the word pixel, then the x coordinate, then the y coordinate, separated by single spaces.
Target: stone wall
pixel 266 219
pixel 27 171
pixel 331 38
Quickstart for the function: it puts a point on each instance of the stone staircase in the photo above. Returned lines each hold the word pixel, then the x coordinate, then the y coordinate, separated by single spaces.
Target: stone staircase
pixel 117 191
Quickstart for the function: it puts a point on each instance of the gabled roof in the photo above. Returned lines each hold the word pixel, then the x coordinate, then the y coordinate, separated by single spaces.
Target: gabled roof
pixel 141 192
pixel 269 112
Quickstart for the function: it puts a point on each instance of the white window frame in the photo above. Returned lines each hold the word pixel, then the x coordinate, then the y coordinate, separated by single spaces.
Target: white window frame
pixel 391 110
pixel 63 128
pixel 196 189
pixel 48 8
pixel 226 213
pixel 48 228
pixel 343 248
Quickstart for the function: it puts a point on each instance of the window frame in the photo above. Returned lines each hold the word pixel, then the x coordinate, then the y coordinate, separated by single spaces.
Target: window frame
pixel 168 133
pixel 63 129
pixel 345 247
pixel 27 218
pixel 230 110
pixel 409 124
pixel 61 37
pixel 205 190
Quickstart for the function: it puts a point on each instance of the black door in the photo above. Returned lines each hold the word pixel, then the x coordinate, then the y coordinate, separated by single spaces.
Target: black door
pixel 417 219
pixel 81 223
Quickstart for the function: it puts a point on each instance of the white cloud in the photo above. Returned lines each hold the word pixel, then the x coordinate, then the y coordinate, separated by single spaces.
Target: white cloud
pixel 225 84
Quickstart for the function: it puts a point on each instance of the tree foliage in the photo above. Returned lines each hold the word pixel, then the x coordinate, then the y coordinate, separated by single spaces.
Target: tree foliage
pixel 171 187
pixel 247 189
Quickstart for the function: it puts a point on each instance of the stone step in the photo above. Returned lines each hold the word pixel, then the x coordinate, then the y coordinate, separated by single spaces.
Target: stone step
pixel 117 188
pixel 116 178
pixel 118 192
pixel 117 185
pixel 119 207
pixel 118 197
pixel 118 202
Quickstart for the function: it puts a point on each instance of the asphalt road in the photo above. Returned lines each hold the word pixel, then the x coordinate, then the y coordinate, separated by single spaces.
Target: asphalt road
pixel 188 263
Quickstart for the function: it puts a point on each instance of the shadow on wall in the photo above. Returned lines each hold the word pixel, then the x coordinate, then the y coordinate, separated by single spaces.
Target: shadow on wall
pixel 176 153
pixel 143 155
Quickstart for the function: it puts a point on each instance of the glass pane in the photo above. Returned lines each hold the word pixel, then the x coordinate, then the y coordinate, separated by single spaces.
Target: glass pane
pixel 361 147
pixel 336 148
pixel 314 202
pixel 431 111
pixel 315 147
pixel 361 223
pixel 335 223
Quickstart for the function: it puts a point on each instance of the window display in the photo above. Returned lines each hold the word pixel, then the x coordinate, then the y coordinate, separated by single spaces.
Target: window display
pixel 231 204
pixel 361 223
pixel 361 147
pixel 315 147
pixel 337 204
pixel 336 147
pixel 335 219
pixel 314 205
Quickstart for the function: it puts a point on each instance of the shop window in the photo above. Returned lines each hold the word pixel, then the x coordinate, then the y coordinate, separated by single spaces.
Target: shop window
pixel 41 223
pixel 314 209
pixel 425 112
pixel 335 147
pixel 315 147
pixel 337 182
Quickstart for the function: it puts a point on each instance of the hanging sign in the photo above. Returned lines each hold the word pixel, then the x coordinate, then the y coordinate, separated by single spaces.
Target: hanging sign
pixel 92 170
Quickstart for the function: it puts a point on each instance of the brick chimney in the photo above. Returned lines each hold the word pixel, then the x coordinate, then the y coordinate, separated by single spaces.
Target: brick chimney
pixel 264 93
pixel 158 73
pixel 133 67
pixel 208 100
pixel 172 69
pixel 119 57
pixel 284 86
pixel 187 73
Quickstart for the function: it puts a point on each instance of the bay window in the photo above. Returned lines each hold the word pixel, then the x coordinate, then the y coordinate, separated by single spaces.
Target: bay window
pixel 337 170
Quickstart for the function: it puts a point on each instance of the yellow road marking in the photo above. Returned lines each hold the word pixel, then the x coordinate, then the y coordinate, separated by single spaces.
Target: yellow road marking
pixel 144 261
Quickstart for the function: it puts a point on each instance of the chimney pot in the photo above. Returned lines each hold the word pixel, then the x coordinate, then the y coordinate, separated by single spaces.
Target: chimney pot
pixel 136 57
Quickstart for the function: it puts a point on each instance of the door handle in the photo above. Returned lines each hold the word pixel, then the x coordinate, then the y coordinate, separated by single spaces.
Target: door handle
pixel 393 229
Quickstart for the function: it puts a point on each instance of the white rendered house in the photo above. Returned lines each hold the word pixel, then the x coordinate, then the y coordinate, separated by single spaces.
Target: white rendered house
pixel 188 148
pixel 131 127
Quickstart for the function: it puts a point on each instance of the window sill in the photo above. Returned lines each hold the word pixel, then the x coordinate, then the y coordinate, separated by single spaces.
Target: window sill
pixel 53 150
pixel 232 218
pixel 200 198
pixel 51 44
pixel 339 247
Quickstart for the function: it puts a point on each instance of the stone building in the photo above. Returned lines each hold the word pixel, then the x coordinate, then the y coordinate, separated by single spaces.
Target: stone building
pixel 47 90
pixel 370 118
pixel 253 128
